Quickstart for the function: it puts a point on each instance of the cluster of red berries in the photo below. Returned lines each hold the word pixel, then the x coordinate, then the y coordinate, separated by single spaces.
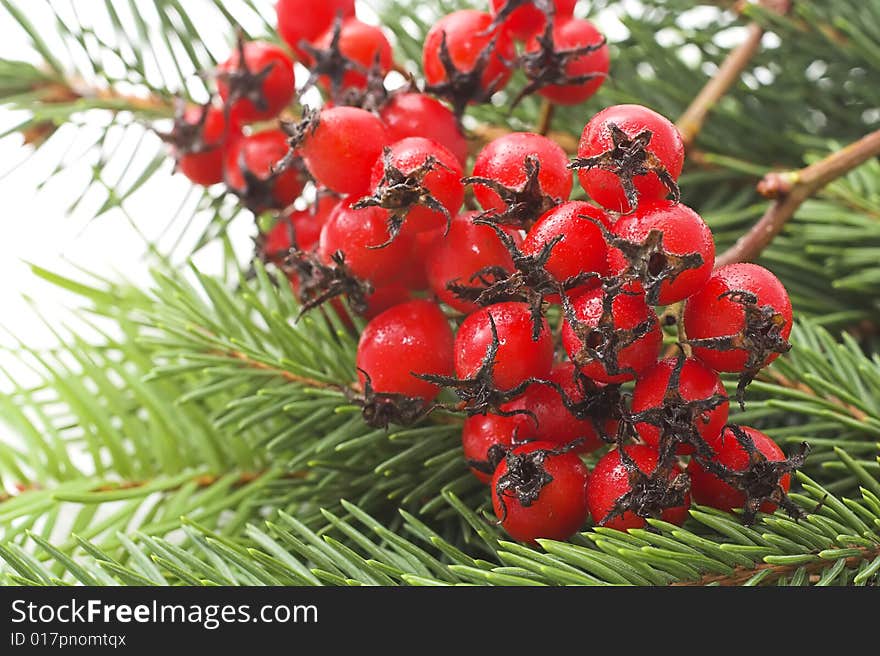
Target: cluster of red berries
pixel 557 347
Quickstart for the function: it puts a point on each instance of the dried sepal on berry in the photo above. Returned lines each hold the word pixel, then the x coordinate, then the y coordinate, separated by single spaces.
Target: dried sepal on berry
pixel 604 342
pixel 329 62
pixel 648 261
pixel 185 137
pixel 649 495
pixel 478 394
pixel 299 131
pixel 546 7
pixel 258 191
pixel 374 95
pixel 381 409
pixel 524 204
pixel 598 404
pixel 530 282
pixel 320 282
pixel 547 66
pixel 761 480
pixel 243 83
pixel 399 192
pixel 628 158
pixel 676 418
pixel 526 476
pixel 461 88
pixel 494 456
pixel 761 336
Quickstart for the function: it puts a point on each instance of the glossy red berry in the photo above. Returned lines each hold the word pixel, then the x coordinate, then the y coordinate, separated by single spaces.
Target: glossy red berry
pixel 269 85
pixel 361 43
pixel 466 36
pixel 418 115
pixel 353 232
pixel 573 35
pixel 306 20
pixel 253 170
pixel 518 358
pixel 604 186
pixel 504 161
pixel 611 480
pixel 616 345
pixel 581 247
pixel 552 421
pixel 681 260
pixel 709 490
pixel 527 20
pixel 413 337
pixel 482 432
pixel 197 143
pixel 722 309
pixel 465 250
pixel 303 225
pixel 696 382
pixel 540 492
pixel 442 181
pixel 342 148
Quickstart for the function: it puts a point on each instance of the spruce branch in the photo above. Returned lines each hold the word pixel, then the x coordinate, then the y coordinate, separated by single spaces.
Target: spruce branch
pixel 790 189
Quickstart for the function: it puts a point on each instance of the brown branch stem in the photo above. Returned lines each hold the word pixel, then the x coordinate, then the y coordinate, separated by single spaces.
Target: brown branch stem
pixel 545 117
pixel 790 189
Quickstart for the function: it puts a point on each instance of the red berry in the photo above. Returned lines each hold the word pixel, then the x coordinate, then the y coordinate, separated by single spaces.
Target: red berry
pixel 696 382
pixel 582 248
pixel 275 90
pixel 443 181
pixel 503 160
pixel 465 250
pixel 611 480
pixel 413 337
pixel 466 37
pixel 620 344
pixel 342 148
pixel 538 492
pixel 666 144
pixel 307 20
pixel 386 297
pixel 684 234
pixel 710 490
pixel 518 357
pixel 252 170
pixel 360 43
pixel 572 35
pixel 552 421
pixel 307 225
pixel 715 312
pixel 481 432
pixel 353 232
pixel 197 143
pixel 528 20
pixel 417 115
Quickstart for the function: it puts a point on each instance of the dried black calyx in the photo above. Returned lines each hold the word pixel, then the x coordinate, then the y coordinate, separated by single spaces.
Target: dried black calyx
pixel 678 419
pixel 463 87
pixel 187 138
pixel 547 7
pixel 526 476
pixel 298 132
pixel 524 204
pixel 596 404
pixel 627 159
pixel 320 282
pixel 245 84
pixel 529 282
pixel 760 337
pixel 761 480
pixel 494 455
pixel 547 65
pixel 478 394
pixel 649 494
pixel 329 62
pixel 399 192
pixel 258 192
pixel 604 342
pixel 381 409
pixel 648 261
pixel 374 95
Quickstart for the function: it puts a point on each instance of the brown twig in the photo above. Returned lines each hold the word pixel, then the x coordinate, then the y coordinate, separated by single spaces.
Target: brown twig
pixel 790 189
pixel 545 117
pixel 691 121
pixel 742 574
